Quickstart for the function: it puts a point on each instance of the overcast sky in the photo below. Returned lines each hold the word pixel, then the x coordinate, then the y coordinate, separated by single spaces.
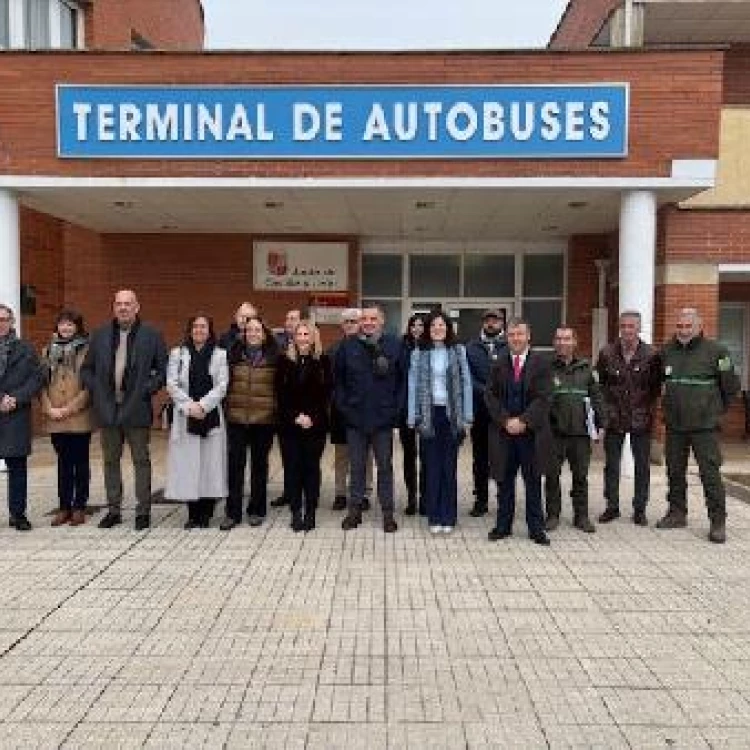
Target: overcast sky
pixel 380 24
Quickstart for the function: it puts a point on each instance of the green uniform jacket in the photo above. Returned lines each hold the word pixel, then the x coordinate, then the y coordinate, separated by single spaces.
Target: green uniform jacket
pixel 699 383
pixel 571 384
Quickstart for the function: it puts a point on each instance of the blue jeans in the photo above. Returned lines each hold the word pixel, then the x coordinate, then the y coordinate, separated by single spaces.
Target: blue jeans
pixel 18 486
pixel 440 456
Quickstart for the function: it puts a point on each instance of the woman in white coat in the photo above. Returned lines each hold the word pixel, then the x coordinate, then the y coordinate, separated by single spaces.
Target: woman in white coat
pixel 197 378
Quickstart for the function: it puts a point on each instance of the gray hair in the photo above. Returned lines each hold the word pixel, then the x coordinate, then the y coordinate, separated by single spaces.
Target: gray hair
pixel 691 312
pixel 631 314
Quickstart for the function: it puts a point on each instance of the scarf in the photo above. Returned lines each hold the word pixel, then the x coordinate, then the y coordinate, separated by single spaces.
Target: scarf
pixel 6 343
pixel 64 352
pixel 453 407
pixel 200 383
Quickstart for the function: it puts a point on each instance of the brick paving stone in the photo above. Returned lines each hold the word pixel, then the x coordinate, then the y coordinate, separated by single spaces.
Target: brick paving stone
pixel 265 638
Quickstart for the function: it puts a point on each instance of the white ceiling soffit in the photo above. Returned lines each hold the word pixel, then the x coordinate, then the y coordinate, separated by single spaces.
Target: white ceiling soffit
pixel 451 213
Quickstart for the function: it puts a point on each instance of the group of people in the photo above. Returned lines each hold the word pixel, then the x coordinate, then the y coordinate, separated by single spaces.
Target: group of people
pixel 232 395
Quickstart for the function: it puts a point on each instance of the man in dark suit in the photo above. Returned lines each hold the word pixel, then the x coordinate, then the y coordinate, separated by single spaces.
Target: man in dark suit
pixel 517 399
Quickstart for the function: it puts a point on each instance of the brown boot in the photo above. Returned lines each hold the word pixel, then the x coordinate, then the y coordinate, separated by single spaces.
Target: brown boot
pixel 78 518
pixel 61 518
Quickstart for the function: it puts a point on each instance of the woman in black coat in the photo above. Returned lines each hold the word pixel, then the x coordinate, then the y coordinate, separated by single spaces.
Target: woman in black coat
pixel 303 388
pixel 408 437
pixel 20 380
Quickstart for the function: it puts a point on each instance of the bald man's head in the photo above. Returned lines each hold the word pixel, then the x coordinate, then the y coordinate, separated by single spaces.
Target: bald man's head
pixel 125 307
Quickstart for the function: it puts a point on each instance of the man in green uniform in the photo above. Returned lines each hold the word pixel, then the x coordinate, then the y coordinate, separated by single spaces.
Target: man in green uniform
pixel 699 383
pixel 575 418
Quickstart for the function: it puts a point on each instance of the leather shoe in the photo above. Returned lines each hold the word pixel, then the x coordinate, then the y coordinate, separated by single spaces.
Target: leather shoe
pixel 584 524
pixel 389 524
pixel 674 519
pixel 297 523
pixel 365 503
pixel 639 518
pixel 339 502
pixel 540 538
pixel 609 515
pixel 142 523
pixel 410 509
pixel 496 534
pixel 61 518
pixel 718 532
pixel 228 524
pixel 279 502
pixel 478 510
pixel 78 518
pixel 351 521
pixel 255 520
pixel 110 520
pixel 552 523
pixel 20 523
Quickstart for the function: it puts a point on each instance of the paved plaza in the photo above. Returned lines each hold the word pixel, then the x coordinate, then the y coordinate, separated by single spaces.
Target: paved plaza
pixel 262 638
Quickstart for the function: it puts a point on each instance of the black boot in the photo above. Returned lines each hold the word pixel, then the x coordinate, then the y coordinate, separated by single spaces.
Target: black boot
pixel 310 519
pixel 297 523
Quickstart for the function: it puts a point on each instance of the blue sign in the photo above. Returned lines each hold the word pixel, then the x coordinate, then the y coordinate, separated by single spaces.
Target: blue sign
pixel 342 122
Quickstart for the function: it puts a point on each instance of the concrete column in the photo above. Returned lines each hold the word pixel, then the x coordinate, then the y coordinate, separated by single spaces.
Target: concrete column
pixel 638 256
pixel 10 254
pixel 637 272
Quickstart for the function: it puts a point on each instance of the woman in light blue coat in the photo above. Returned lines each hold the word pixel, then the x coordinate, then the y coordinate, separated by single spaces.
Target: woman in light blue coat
pixel 440 407
pixel 197 378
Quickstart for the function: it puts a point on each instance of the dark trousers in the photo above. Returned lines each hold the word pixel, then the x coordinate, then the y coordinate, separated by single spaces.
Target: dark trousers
pixel 73 468
pixel 18 485
pixel 576 450
pixel 414 481
pixel 480 458
pixel 258 438
pixel 641 446
pixel 286 491
pixel 359 444
pixel 302 476
pixel 138 438
pixel 440 457
pixel 521 455
pixel 201 511
pixel 707 453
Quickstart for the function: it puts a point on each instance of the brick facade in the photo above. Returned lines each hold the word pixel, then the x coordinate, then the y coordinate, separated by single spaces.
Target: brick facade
pixel 164 24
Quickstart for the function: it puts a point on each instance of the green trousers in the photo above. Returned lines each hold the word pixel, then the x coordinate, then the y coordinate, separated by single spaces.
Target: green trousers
pixel 705 445
pixel 576 450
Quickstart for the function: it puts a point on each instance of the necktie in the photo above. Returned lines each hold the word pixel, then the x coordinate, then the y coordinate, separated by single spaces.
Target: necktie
pixel 516 367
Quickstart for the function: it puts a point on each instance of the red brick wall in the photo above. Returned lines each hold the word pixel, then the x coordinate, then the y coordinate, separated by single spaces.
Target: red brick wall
pixel 166 24
pixel 581 22
pixel 666 87
pixel 737 75
pixel 707 235
pixel 583 283
pixel 176 276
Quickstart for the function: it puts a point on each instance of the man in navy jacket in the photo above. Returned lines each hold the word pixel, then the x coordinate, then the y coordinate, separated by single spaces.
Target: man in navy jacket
pixel 369 393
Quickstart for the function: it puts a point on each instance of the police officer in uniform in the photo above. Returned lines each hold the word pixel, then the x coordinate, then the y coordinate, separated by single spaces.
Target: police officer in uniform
pixel 481 354
pixel 699 383
pixel 575 403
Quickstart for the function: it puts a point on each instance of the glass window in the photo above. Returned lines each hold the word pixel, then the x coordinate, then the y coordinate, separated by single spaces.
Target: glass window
pixel 68 26
pixel 382 276
pixel 434 275
pixel 732 335
pixel 392 309
pixel 36 24
pixel 4 24
pixel 489 276
pixel 544 317
pixel 543 275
